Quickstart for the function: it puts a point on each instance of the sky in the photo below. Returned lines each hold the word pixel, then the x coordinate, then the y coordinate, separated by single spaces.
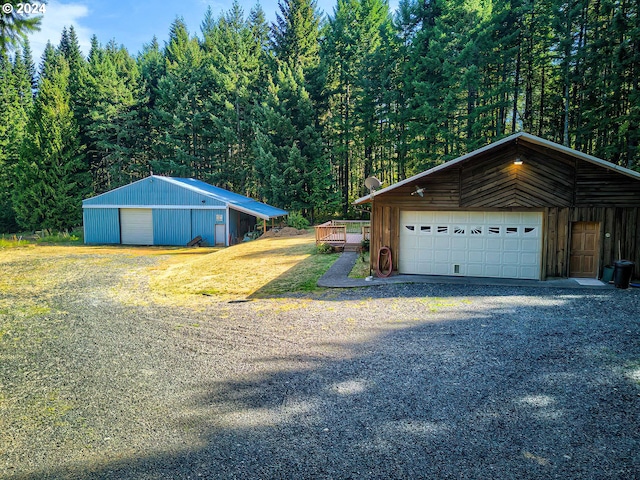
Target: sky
pixel 134 24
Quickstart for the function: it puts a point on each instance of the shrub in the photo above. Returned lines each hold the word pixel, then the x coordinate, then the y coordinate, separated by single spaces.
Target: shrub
pixel 296 220
pixel 49 236
pixel 324 248
pixel 12 242
pixel 365 244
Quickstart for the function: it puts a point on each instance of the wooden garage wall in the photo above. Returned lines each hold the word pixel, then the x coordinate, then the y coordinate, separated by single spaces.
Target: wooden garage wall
pixel 385 231
pixel 492 180
pixel 565 188
pixel 622 225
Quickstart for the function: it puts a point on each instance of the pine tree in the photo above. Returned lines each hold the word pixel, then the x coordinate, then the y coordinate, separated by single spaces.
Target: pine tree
pixel 9 100
pixel 27 60
pixel 233 54
pixel 179 114
pixel 151 65
pixel 106 102
pixel 69 47
pixel 51 179
pixel 15 27
pixel 295 34
pixel 291 161
pixel 353 37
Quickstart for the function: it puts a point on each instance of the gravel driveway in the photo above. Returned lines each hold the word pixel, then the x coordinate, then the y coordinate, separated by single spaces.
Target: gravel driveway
pixel 399 381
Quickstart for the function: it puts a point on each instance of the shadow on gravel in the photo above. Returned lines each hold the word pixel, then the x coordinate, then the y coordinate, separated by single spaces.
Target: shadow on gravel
pixel 540 395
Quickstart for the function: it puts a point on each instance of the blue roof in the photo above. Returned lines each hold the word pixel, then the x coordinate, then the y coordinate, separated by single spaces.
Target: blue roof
pixel 234 200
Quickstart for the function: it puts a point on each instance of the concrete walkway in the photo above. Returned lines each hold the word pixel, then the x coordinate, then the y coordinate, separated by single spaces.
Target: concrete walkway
pixel 338 277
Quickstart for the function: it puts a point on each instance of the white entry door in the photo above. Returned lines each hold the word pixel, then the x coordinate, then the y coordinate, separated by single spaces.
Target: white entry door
pixel 220 234
pixel 136 226
pixel 475 244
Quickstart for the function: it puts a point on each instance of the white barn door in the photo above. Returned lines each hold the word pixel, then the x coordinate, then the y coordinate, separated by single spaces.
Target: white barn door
pixel 136 226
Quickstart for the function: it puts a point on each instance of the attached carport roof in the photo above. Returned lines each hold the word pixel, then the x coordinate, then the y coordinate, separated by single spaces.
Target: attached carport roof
pixel 233 200
pixel 512 138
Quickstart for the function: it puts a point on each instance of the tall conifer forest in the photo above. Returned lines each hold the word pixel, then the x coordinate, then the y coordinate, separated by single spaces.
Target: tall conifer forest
pixel 299 112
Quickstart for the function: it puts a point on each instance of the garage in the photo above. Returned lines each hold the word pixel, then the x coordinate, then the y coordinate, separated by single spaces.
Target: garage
pixel 136 226
pixel 476 244
pixel 522 207
pixel 159 210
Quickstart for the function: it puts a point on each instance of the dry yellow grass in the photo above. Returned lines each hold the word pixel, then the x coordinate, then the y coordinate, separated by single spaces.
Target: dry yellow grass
pixel 265 267
pixel 29 270
pixel 238 271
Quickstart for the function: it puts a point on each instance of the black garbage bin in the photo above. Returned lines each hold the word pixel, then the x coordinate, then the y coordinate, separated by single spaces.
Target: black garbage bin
pixel 622 273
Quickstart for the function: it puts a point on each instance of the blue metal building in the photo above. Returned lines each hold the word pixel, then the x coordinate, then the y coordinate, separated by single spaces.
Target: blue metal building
pixel 161 210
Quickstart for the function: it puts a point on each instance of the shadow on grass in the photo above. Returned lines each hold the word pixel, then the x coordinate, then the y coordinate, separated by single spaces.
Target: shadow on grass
pixel 301 278
pixel 521 394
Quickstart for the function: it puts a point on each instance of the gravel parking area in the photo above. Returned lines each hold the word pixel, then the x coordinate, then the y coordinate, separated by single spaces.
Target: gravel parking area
pixel 100 379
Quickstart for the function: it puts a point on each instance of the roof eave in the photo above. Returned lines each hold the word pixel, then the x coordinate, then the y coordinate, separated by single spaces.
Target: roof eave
pixel 254 213
pixel 510 138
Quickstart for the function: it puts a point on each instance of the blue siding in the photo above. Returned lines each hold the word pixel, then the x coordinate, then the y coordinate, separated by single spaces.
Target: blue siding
pixel 101 225
pixel 153 191
pixel 203 224
pixel 182 210
pixel 171 227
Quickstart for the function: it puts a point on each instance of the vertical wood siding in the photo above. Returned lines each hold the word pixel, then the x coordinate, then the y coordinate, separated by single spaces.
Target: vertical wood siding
pixel 620 223
pixel 565 188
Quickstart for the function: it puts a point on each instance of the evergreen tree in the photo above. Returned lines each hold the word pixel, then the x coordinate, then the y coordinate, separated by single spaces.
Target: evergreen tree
pixel 353 38
pixel 179 115
pixel 233 92
pixel 51 179
pixel 107 101
pixel 69 47
pixel 151 65
pixel 291 163
pixel 15 27
pixel 8 119
pixel 295 34
pixel 27 60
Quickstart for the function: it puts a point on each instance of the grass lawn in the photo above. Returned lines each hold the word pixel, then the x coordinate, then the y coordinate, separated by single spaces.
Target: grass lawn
pixel 361 268
pixel 261 268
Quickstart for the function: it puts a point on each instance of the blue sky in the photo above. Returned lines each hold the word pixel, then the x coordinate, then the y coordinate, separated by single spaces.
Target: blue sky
pixel 133 24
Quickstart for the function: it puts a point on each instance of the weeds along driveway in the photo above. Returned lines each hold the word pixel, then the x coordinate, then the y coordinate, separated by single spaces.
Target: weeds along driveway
pixel 102 379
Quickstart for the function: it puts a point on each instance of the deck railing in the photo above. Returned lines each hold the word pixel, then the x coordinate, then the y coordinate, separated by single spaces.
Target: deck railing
pixel 353 226
pixel 338 232
pixel 330 233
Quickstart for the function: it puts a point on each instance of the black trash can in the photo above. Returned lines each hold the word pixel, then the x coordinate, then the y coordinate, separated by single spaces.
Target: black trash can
pixel 622 273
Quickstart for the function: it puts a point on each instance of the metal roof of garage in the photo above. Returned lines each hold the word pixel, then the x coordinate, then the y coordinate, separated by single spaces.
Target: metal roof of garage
pixel 157 191
pixel 234 200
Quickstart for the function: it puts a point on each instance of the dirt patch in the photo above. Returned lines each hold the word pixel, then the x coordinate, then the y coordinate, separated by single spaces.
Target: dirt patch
pixel 284 232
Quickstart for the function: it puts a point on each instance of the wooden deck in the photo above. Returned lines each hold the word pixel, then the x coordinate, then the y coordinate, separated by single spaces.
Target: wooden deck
pixel 343 234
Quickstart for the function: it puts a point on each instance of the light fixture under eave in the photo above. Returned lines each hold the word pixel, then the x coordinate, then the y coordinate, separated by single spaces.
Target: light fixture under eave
pixel 418 191
pixel 518 161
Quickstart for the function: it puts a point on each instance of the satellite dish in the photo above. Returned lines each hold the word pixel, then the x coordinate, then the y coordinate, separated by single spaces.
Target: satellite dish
pixel 372 183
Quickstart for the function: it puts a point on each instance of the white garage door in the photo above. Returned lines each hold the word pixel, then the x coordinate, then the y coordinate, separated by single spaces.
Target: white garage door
pixel 475 244
pixel 136 226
